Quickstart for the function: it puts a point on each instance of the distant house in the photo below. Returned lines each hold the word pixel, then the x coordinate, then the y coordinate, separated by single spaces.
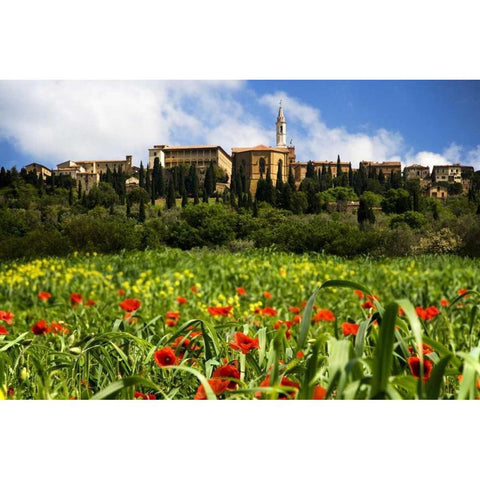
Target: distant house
pixel 416 171
pixel 438 192
pixel 131 183
pixel 38 169
pixel 387 168
pixel 451 173
pixel 300 168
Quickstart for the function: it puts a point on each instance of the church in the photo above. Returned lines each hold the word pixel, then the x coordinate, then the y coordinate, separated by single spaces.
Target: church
pixel 257 161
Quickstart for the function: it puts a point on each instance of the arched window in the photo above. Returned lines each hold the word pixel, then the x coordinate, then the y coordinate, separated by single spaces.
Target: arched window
pixel 262 166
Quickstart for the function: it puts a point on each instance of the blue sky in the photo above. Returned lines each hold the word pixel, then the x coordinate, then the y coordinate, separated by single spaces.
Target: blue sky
pixel 427 122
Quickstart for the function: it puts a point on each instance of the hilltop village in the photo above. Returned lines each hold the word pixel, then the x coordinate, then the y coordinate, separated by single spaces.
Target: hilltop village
pixel 253 197
pixel 251 165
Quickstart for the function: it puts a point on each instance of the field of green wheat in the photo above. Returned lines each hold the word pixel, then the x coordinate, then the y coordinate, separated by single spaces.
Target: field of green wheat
pixel 251 325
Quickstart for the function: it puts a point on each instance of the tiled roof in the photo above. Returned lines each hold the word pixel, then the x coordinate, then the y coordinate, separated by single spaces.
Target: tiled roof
pixel 260 148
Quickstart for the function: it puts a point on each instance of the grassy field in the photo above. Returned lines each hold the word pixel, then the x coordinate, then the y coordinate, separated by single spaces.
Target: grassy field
pixel 253 325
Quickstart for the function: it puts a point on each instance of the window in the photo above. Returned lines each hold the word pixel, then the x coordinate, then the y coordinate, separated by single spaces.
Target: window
pixel 262 165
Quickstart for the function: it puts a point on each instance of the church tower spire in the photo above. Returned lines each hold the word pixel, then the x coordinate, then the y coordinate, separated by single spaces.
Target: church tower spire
pixel 281 128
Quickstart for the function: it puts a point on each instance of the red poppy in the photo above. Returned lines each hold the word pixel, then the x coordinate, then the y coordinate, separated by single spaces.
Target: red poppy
pixel 294 309
pixel 367 304
pixel 218 386
pixel 40 328
pixel 358 293
pixel 285 382
pixel 171 323
pixel 426 349
pixel 269 311
pixel 297 319
pixel 44 296
pixel 350 328
pixel 6 317
pixel 428 313
pixel 444 302
pixel 130 318
pixel 57 328
pixel 462 291
pixel 3 330
pixel 130 304
pixel 325 315
pixel 300 354
pixel 172 315
pixel 165 357
pixel 222 311
pixel 244 343
pixel 267 294
pixel 181 344
pixel 181 300
pixel 10 392
pixel 90 303
pixel 76 298
pixel 143 396
pixel 228 372
pixel 121 292
pixel 414 364
pixel 194 289
pixel 241 291
pixel 319 393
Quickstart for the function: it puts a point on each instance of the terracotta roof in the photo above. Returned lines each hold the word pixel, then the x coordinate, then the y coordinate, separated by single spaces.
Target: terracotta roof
pixel 260 148
pixel 382 164
pixel 183 147
pixel 416 166
pixel 99 161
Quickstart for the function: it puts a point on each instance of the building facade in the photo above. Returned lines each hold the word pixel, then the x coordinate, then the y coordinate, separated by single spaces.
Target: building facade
pixel 257 161
pixel 416 171
pixel 300 168
pixel 39 169
pixel 387 168
pixel 198 155
pixel 451 173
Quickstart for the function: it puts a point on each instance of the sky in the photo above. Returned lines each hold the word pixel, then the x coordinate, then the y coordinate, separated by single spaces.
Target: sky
pixel 424 122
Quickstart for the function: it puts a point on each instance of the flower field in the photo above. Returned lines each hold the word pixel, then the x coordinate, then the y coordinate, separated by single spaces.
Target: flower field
pixel 257 325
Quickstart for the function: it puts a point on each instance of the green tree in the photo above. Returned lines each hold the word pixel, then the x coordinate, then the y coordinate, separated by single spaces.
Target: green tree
pixel 141 211
pixel 170 201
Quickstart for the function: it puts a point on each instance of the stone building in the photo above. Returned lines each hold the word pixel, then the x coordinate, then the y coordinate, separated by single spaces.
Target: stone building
pixel 387 168
pixel 300 168
pixel 435 191
pixel 416 171
pixel 451 173
pixel 198 155
pixel 257 161
pixel 38 169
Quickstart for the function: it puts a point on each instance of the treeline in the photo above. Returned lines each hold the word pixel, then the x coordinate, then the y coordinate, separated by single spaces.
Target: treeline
pixel 54 216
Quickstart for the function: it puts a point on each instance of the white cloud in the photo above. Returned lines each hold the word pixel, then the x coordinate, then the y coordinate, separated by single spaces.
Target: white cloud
pixel 59 120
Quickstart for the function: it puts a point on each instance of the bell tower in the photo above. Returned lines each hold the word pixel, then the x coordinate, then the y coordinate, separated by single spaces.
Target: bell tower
pixel 281 128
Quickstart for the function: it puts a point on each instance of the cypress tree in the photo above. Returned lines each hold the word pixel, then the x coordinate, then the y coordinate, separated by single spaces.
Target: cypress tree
pixel 286 197
pixel 279 182
pixel 147 181
pixel 141 211
pixel 310 173
pixel 181 181
pixel 184 198
pixel 365 212
pixel 269 190
pixel 195 186
pixel 79 192
pixel 291 179
pixel 205 196
pixel 260 192
pixel 170 201
pixel 70 195
pixel 128 208
pixel 141 176
pixel 255 208
pixel 350 175
pixel 217 197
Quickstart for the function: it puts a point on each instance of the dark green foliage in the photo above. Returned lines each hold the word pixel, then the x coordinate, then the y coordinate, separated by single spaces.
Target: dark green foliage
pixel 141 176
pixel 365 212
pixel 141 211
pixel 170 201
pixel 291 179
pixel 102 194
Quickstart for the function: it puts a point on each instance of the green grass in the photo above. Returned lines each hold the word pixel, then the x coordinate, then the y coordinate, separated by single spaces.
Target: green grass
pixel 106 355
